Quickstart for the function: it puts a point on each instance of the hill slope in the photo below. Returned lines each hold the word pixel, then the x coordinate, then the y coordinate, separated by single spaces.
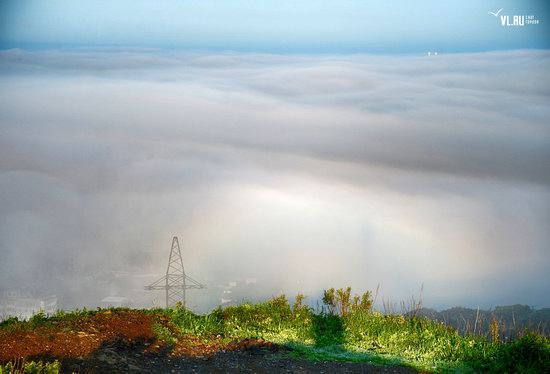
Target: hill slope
pixel 266 337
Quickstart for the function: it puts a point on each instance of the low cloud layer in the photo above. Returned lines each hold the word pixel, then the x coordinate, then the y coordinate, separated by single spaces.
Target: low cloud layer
pixel 299 172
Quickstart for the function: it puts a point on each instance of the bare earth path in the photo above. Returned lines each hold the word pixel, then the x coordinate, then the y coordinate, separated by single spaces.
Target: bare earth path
pixel 121 358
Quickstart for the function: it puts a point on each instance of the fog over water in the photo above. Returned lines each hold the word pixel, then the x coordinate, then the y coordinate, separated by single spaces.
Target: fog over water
pixel 279 172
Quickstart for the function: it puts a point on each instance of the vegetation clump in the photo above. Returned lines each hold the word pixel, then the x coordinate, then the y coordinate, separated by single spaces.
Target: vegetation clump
pixel 31 367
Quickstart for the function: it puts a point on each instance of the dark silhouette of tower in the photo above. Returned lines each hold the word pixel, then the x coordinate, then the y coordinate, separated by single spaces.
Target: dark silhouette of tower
pixel 175 282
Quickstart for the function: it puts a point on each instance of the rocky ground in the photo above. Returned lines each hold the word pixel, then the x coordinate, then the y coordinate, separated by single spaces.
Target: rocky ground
pixel 126 343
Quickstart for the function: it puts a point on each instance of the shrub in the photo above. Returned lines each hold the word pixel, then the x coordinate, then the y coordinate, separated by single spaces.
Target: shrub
pixel 31 367
pixel 329 299
pixel 38 319
pixel 529 354
pixel 340 301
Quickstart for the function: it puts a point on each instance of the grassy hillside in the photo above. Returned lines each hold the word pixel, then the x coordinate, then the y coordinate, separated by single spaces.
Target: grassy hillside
pixel 346 330
pixel 364 335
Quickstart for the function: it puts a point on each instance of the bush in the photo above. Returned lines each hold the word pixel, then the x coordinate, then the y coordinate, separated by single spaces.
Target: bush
pixel 340 301
pixel 529 354
pixel 31 367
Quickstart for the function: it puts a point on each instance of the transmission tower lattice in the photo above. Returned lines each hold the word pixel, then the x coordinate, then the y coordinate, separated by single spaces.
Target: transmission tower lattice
pixel 175 282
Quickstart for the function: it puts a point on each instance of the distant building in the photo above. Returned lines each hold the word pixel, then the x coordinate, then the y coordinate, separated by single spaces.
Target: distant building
pixel 114 301
pixel 225 301
pixel 24 305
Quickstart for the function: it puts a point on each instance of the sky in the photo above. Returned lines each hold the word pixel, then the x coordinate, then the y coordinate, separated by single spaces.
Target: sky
pixel 293 147
pixel 283 26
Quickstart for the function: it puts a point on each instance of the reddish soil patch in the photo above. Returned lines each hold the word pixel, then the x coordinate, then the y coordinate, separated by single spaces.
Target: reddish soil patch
pixel 83 336
pixel 76 338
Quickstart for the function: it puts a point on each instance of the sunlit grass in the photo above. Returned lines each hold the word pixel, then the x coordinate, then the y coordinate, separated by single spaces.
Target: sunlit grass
pixel 364 335
pixel 30 367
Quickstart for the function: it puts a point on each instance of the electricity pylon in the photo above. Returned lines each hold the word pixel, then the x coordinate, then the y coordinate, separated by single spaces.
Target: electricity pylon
pixel 175 282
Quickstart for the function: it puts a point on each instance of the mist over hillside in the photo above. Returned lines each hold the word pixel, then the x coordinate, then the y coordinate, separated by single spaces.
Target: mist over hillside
pixel 513 320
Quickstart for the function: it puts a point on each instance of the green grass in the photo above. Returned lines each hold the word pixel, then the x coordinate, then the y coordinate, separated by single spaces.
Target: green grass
pixel 356 335
pixel 31 367
pixel 362 335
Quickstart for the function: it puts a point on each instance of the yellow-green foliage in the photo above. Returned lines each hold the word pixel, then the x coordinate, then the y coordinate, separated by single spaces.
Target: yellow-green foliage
pixel 340 301
pixel 31 367
pixel 274 319
pixel 417 339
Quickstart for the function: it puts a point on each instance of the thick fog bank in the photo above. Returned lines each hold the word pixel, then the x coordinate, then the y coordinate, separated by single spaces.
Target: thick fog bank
pixel 278 173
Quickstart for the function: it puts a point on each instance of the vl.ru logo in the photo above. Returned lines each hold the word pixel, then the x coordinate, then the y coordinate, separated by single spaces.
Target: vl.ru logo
pixel 515 20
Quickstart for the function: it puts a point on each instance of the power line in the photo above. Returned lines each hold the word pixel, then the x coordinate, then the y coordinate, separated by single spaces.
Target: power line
pixel 175 282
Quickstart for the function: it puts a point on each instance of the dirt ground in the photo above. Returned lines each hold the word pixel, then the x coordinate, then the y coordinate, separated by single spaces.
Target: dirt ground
pixel 124 342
